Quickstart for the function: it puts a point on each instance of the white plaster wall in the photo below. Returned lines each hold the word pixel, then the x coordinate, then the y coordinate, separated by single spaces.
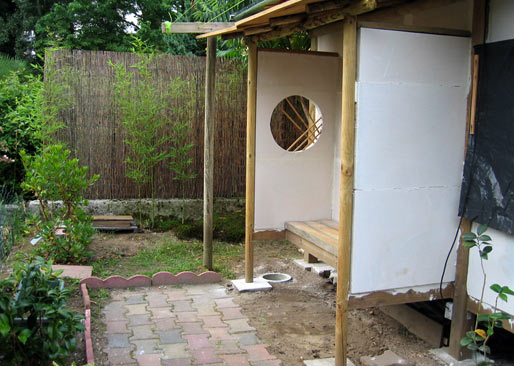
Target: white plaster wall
pixel 294 185
pixel 333 42
pixel 499 267
pixel 501 20
pixel 411 116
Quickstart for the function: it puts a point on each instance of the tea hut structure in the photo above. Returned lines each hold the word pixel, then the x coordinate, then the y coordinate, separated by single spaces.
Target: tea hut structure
pixel 383 106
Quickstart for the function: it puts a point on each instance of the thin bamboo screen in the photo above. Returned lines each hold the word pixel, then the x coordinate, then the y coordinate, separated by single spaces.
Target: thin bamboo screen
pixel 95 132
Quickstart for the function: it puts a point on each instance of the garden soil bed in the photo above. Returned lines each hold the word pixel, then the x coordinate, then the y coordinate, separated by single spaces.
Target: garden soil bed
pixel 296 319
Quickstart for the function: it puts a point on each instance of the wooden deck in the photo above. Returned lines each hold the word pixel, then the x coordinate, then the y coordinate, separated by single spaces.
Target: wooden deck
pixel 318 239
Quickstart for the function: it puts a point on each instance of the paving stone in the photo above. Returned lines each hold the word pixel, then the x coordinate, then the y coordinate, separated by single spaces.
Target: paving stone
pixel 197 341
pixel 175 294
pixel 181 305
pixel 114 316
pixel 175 351
pixel 220 334
pixel 171 336
pixel 117 327
pixel 119 356
pixel 148 360
pixel 162 312
pixel 115 306
pixel 137 309
pixel 219 293
pixel 212 321
pixel 228 347
pixel 192 290
pixel 202 300
pixel 117 341
pixel 146 346
pixel 239 326
pixel 166 324
pixel 248 339
pixel 141 319
pixel 192 328
pixel 135 299
pixel 258 352
pixel 143 332
pixel 117 295
pixel 232 313
pixel 77 272
pixel 225 303
pixel 157 300
pixel 205 356
pixel 187 317
pixel 177 362
pixel 273 363
pixel 388 358
pixel 205 309
pixel 235 360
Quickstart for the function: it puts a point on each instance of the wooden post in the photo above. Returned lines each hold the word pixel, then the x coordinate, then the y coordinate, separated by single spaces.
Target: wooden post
pixel 250 158
pixel 346 185
pixel 208 151
pixel 460 323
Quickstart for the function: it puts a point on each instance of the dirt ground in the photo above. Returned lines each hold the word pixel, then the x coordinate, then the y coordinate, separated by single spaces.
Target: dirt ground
pixel 295 319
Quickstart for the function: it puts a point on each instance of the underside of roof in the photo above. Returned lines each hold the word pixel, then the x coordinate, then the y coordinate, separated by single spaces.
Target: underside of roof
pixel 293 16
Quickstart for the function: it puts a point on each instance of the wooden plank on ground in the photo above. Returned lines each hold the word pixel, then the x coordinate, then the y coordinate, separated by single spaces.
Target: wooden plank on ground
pixel 425 328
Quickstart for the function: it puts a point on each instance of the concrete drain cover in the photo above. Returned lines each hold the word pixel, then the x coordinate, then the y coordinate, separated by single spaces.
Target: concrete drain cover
pixel 276 277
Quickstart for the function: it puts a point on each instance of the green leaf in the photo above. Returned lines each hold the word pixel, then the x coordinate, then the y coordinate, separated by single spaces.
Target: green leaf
pixel 490 331
pixel 498 316
pixel 481 229
pixel 484 347
pixel 465 341
pixel 469 244
pixel 484 238
pixel 472 346
pixel 503 297
pixel 507 290
pixel 469 236
pixel 24 335
pixel 496 288
pixel 483 318
pixel 5 328
pixel 487 249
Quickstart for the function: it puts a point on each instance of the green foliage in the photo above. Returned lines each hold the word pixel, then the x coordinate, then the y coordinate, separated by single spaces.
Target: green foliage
pixel 476 339
pixel 10 64
pixel 143 111
pixel 54 176
pixel 35 325
pixel 228 227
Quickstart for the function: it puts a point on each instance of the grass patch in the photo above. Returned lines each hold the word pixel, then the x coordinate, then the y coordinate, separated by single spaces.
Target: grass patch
pixel 228 227
pixel 171 256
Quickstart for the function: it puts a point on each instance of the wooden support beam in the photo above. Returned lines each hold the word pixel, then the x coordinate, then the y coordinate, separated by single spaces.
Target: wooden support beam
pixel 250 158
pixel 208 152
pixel 346 186
pixel 326 5
pixel 291 19
pixel 193 27
pixel 460 323
pixel 318 19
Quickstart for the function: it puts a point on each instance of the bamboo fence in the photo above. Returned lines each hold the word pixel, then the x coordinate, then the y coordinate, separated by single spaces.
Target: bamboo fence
pixel 95 132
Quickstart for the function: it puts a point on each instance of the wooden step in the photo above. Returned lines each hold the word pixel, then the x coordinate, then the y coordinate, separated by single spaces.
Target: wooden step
pixel 316 232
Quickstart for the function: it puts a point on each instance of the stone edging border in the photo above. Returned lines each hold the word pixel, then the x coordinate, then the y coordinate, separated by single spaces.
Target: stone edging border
pixel 158 279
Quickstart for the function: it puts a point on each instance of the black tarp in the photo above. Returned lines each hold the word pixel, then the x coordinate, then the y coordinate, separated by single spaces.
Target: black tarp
pixel 488 184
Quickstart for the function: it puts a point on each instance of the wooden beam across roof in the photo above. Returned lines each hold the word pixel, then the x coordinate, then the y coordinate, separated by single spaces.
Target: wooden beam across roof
pixel 193 27
pixel 294 16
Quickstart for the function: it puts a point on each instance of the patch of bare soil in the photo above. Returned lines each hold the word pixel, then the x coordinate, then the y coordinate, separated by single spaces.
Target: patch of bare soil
pixel 297 319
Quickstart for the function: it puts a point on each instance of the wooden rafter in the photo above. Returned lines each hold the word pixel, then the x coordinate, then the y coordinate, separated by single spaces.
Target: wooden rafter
pixel 297 15
pixel 193 27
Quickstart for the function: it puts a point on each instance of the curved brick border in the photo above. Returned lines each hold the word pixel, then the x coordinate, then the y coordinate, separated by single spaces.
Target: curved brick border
pixel 158 279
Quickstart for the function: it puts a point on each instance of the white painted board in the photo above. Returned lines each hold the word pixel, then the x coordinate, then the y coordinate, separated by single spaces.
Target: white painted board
pixel 411 117
pixel 294 185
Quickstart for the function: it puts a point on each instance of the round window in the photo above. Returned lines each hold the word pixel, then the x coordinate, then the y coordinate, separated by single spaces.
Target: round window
pixel 296 123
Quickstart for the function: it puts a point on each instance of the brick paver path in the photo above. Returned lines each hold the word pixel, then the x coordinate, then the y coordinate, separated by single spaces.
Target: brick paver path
pixel 181 326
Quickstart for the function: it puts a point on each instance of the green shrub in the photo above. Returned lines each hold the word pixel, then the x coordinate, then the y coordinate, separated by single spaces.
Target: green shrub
pixel 54 176
pixel 35 325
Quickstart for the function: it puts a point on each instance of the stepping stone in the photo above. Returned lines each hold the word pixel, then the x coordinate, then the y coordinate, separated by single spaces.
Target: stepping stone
pixel 388 358
pixel 77 272
pixel 117 341
pixel 171 336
